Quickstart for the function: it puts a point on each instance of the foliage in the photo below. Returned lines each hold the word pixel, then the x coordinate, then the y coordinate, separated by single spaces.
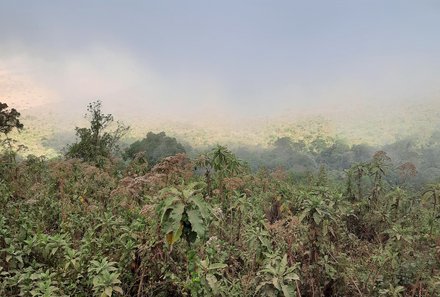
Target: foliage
pixel 221 162
pixel 9 119
pixel 155 147
pixel 105 279
pixel 277 277
pixel 184 213
pixel 95 144
pixel 210 227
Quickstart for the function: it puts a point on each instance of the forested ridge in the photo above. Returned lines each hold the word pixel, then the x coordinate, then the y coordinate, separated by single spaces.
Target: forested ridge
pixel 302 217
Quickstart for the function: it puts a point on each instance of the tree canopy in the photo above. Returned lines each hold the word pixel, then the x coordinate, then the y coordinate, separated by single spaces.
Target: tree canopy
pixel 95 142
pixel 9 119
pixel 155 147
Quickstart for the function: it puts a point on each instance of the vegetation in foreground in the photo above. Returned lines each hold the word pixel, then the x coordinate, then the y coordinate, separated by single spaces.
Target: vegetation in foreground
pixel 91 224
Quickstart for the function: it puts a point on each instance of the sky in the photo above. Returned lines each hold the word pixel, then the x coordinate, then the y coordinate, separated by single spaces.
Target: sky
pixel 247 57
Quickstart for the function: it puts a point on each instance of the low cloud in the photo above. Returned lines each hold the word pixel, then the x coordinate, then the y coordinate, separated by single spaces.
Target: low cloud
pixel 124 84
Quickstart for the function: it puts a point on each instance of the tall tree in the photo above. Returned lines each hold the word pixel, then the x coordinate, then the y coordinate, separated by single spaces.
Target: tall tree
pixel 9 120
pixel 358 171
pixel 378 166
pixel 95 143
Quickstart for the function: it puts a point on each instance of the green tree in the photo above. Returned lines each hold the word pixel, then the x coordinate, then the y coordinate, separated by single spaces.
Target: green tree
pixel 95 143
pixel 9 120
pixel 433 192
pixel 225 164
pixel 155 147
pixel 378 167
pixel 358 171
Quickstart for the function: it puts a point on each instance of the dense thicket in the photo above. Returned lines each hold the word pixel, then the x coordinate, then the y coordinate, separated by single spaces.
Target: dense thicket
pixel 210 226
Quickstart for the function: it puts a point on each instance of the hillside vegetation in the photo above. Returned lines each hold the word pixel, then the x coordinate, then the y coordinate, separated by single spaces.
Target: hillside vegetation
pixel 49 127
pixel 309 216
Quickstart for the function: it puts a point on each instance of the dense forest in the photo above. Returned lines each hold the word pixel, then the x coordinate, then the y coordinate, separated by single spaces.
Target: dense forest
pixel 302 217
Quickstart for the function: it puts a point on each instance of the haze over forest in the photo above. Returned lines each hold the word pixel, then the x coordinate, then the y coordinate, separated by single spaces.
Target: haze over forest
pixel 230 66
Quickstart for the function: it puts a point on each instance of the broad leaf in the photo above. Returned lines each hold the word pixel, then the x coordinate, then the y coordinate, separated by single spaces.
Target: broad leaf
pixel 175 218
pixel 283 264
pixel 261 285
pixel 167 205
pixel 174 236
pixel 196 222
pixel 288 291
pixel 212 282
pixel 108 291
pixel 316 218
pixel 276 283
pixel 118 289
pixel 292 277
pixel 216 266
pixel 201 205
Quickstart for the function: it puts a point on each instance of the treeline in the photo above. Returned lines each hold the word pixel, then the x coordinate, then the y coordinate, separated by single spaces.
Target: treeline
pixel 298 157
pixel 301 158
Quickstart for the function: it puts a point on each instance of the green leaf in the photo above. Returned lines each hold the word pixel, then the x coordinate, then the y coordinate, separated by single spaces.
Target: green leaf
pixel 175 218
pixel 167 205
pixel 283 264
pixel 270 270
pixel 261 285
pixel 187 193
pixel 276 283
pixel 316 218
pixel 216 266
pixel 174 191
pixel 108 291
pixel 303 215
pixel 212 282
pixel 172 237
pixel 288 291
pixel 196 222
pixel 201 205
pixel 20 259
pixel 118 289
pixel 324 229
pixel 292 277
pixel 205 263
pixel 116 280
